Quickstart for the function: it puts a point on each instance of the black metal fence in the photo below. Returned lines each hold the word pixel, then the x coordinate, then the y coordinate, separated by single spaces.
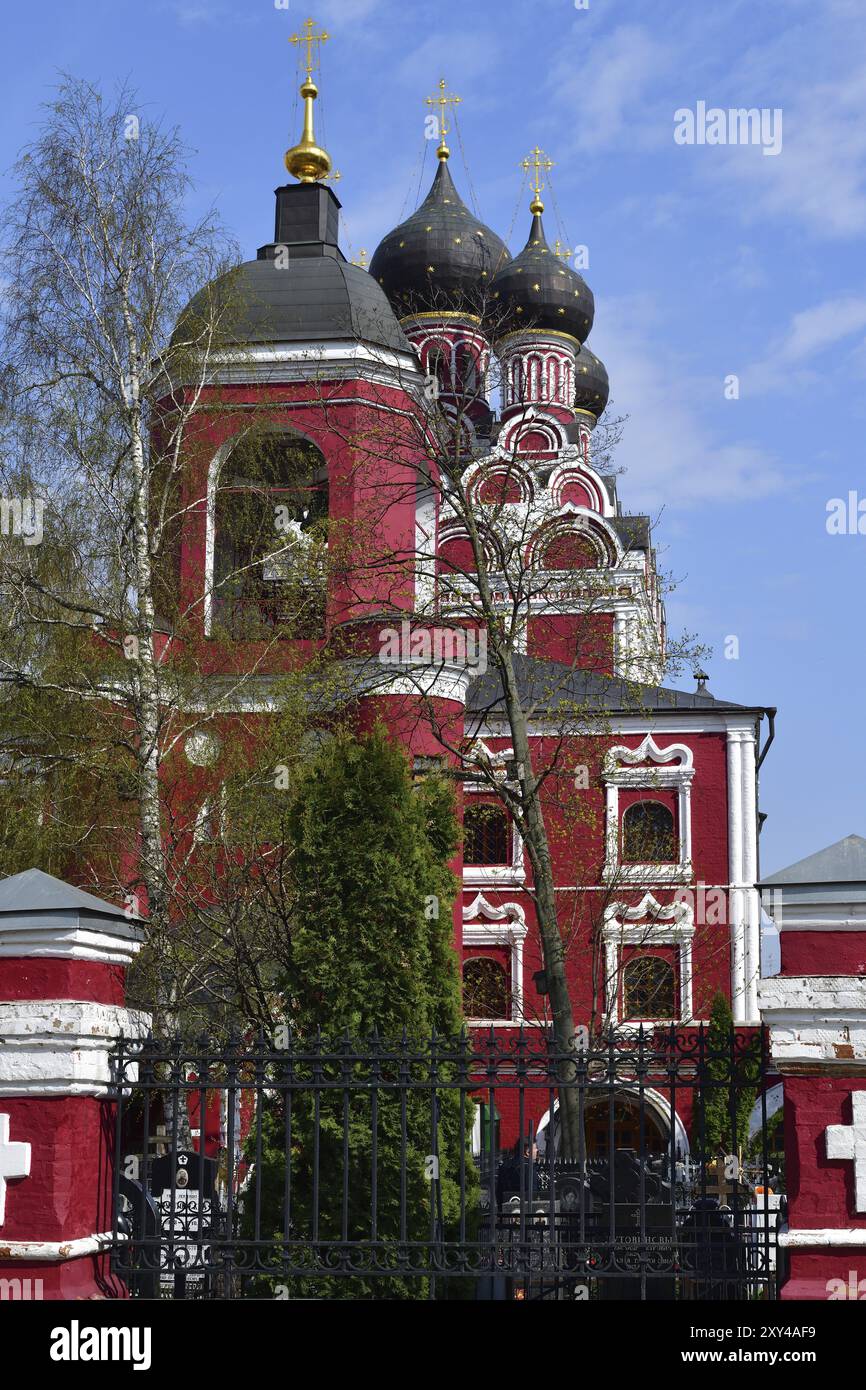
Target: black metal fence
pixel 338 1168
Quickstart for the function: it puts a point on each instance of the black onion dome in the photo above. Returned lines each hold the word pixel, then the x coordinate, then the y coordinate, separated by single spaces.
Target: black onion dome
pixel 441 258
pixel 537 290
pixel 591 383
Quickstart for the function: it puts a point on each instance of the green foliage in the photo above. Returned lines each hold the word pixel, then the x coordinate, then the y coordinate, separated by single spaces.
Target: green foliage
pixel 729 1099
pixel 371 953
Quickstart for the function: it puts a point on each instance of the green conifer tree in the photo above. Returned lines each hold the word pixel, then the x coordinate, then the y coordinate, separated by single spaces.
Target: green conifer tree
pixel 371 954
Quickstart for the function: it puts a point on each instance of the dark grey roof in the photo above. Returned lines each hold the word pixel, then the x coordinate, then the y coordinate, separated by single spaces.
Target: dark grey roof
pixel 843 862
pixel 549 686
pixel 314 298
pixel 440 258
pixel 538 290
pixel 591 382
pixel 633 531
pixel 35 891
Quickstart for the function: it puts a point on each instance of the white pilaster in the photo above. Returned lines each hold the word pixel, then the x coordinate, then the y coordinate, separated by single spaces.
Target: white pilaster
pixel 739 1001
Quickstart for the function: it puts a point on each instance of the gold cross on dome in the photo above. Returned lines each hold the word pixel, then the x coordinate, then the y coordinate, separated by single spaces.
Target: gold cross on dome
pixel 362 259
pixel 540 165
pixel 443 101
pixel 313 41
pixel 561 251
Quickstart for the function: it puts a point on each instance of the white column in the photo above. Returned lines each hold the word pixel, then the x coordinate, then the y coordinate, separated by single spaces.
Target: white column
pixel 735 876
pixel 751 900
pixel 686 980
pixel 611 980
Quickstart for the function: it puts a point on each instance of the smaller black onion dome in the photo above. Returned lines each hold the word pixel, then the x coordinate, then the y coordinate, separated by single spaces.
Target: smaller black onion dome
pixel 441 258
pixel 537 290
pixel 591 384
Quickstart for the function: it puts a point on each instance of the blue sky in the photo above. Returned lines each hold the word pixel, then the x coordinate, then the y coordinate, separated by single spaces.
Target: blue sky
pixel 705 261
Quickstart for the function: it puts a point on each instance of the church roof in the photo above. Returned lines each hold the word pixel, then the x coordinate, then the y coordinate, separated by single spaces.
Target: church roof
pixel 35 891
pixel 538 290
pixel 315 299
pixel 549 686
pixel 441 258
pixel 843 862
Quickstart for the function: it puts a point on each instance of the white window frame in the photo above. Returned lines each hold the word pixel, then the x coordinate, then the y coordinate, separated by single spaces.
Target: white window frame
pixel 487 925
pixel 678 776
pixel 479 875
pixel 648 924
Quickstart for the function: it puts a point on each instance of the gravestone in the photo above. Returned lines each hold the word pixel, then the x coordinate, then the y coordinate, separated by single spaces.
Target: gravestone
pixel 643 1231
pixel 189 1219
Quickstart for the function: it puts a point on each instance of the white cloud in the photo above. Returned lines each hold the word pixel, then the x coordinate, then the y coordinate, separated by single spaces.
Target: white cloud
pixel 673 459
pixel 606 91
pixel 788 363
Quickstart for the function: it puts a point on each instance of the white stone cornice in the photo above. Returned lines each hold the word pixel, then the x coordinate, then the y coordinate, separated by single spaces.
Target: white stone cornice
pixel 58 1251
pixel 816 1022
pixel 52 936
pixel 61 1047
pixel 821 1237
pixel 491 912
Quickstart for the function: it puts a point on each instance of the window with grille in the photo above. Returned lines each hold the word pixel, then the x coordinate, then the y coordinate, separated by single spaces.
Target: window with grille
pixel 486 835
pixel 648 835
pixel 485 988
pixel 648 988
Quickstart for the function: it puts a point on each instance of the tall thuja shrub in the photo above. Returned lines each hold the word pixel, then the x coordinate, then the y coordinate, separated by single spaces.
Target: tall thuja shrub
pixel 371 954
pixel 734 1075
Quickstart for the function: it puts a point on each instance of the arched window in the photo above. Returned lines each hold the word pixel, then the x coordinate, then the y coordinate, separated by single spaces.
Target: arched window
pixel 648 834
pixel 648 989
pixel 468 378
pixel 270 512
pixel 486 838
pixel 485 988
pixel 570 550
pixel 438 366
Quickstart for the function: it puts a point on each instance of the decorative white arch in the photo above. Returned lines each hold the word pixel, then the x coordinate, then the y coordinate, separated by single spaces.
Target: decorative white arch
pixel 654 1101
pixel 485 924
pixel 673 768
pixel 648 923
pixel 213 473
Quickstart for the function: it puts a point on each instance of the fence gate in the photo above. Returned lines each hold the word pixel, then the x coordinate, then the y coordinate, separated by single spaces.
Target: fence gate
pixel 638 1166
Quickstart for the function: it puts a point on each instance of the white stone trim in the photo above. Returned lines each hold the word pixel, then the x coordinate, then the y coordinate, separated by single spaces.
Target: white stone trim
pixel 59 1047
pixel 743 899
pixel 58 1251
pixel 803 1238
pixel 514 873
pixel 815 1021
pixel 649 923
pixel 65 936
pixel 848 1142
pixel 502 926
pixel 637 778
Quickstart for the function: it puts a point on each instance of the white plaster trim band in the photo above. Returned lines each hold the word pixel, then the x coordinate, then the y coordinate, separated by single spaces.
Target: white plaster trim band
pixel 25 935
pixel 56 1251
pixel 57 1047
pixel 802 1239
pixel 818 1019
